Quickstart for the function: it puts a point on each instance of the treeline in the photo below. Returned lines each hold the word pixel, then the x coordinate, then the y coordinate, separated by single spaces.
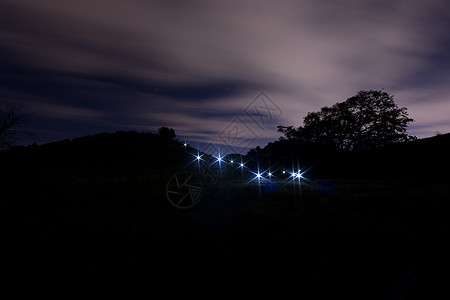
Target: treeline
pixel 101 156
pixel 363 137
pixel 421 160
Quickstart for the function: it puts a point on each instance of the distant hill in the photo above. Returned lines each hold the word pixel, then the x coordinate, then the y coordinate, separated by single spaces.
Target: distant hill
pixel 104 155
pixel 134 155
pixel 423 159
pixel 441 139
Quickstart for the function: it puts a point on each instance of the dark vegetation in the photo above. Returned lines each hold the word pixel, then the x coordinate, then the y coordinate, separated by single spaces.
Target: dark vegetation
pixel 89 216
pixel 424 160
pixel 12 122
pixel 368 120
pixel 364 137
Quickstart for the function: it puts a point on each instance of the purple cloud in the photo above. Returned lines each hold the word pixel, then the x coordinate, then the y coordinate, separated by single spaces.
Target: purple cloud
pixel 108 65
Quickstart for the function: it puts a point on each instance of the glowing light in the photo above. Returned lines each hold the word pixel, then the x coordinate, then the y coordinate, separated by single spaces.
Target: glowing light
pixel 297 174
pixel 241 165
pixel 185 144
pixel 219 159
pixel 231 161
pixel 197 157
pixel 284 172
pixel 270 173
pixel 258 175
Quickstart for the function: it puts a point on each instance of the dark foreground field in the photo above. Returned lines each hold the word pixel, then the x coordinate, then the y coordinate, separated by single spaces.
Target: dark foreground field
pixel 369 240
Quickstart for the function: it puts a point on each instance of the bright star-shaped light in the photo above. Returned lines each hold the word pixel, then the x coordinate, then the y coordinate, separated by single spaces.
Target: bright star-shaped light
pixel 284 172
pixel 241 165
pixel 258 175
pixel 231 161
pixel 219 159
pixel 198 157
pixel 270 173
pixel 185 144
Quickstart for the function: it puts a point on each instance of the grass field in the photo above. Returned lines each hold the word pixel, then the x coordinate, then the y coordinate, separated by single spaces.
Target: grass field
pixel 121 235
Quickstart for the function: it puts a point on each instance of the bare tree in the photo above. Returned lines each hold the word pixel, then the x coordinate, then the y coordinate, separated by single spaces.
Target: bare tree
pixel 11 125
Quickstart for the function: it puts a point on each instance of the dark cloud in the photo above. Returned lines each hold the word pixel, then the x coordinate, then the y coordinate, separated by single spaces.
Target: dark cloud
pixel 87 66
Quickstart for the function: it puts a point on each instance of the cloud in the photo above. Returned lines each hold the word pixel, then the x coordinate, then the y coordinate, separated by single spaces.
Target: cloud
pixel 197 64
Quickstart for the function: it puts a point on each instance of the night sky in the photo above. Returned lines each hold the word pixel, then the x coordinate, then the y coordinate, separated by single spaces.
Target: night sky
pixel 226 72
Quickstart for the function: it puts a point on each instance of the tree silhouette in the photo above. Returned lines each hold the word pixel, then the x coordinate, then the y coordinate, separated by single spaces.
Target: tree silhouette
pixel 11 120
pixel 370 119
pixel 167 133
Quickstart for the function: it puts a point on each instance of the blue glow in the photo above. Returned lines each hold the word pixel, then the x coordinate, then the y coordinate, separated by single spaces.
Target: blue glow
pixel 197 158
pixel 258 175
pixel 270 173
pixel 241 164
pixel 232 161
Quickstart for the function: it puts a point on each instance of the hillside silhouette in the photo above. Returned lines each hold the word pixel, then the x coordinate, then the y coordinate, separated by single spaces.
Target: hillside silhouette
pixel 419 160
pixel 90 215
pixel 103 156
pixel 123 154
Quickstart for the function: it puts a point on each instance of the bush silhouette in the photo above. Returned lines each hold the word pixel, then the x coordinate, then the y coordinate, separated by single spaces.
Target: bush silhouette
pixel 166 132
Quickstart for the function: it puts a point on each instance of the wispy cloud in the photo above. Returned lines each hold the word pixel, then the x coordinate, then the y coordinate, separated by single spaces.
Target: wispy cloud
pixel 197 64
